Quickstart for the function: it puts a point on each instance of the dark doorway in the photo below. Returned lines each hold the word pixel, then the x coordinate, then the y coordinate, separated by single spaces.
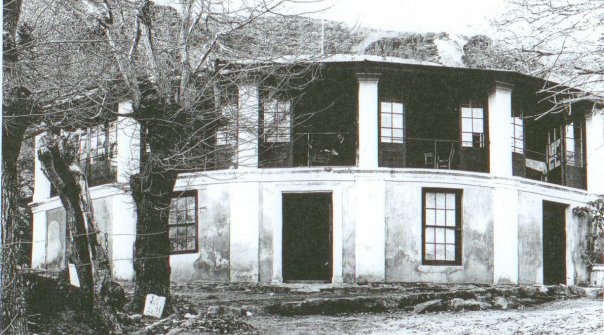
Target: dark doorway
pixel 554 243
pixel 307 241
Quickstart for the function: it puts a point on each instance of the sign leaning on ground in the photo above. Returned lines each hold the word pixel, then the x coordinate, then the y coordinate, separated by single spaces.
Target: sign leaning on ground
pixel 154 305
pixel 73 275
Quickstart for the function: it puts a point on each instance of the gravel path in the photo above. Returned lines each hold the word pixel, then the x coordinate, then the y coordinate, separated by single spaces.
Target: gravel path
pixel 579 316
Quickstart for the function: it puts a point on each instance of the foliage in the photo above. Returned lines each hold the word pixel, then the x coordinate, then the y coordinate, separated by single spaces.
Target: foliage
pixel 482 52
pixel 410 46
pixel 593 212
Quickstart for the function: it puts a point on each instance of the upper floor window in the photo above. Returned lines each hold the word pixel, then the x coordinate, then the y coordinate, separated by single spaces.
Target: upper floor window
pixel 98 143
pixel 225 151
pixel 441 226
pixel 391 122
pixel 225 137
pixel 554 148
pixel 472 126
pixel 277 121
pixel 574 144
pixel 518 139
pixel 97 147
pixel 182 223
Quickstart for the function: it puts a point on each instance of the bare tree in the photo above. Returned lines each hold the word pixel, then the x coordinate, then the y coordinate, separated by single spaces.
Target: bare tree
pixel 173 65
pixel 41 49
pixel 16 109
pixel 566 37
pixel 58 156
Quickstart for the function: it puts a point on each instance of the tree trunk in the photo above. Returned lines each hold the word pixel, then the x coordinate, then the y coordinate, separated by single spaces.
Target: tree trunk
pixel 152 194
pixel 15 105
pixel 58 157
pixel 13 298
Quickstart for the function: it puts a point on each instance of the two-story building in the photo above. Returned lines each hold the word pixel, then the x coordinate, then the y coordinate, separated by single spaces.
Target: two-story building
pixel 385 170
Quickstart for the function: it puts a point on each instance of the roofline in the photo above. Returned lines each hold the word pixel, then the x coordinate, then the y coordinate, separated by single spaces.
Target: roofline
pixel 395 61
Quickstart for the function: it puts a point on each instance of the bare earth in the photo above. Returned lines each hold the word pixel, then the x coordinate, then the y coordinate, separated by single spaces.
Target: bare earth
pixel 580 316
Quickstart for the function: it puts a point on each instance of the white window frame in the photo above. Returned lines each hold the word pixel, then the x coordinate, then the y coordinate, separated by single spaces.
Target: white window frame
pixel 392 122
pixel 277 120
pixel 518 137
pixel 472 125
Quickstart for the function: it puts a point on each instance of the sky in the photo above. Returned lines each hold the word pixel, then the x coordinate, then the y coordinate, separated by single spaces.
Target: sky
pixel 452 16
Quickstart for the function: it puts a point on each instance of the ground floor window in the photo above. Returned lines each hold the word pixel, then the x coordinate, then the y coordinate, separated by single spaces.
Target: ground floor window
pixel 441 226
pixel 182 222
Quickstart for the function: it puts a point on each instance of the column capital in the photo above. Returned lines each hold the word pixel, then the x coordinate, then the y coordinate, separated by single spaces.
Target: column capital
pixel 503 86
pixel 364 76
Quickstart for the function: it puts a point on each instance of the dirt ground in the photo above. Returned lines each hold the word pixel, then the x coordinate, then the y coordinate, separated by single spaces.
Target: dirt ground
pixel 206 308
pixel 580 316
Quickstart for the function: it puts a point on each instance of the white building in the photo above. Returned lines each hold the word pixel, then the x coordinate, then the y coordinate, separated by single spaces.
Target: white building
pixel 402 172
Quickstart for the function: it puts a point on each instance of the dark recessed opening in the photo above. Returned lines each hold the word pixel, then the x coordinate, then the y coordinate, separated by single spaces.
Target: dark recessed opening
pixel 554 243
pixel 307 241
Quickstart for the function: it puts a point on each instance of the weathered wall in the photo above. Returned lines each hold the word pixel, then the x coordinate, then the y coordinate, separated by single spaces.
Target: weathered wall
pixel 245 202
pixel 576 242
pixel 348 235
pixel 103 216
pixel 114 220
pixel 370 230
pixel 271 213
pixel 124 235
pixel 253 201
pixel 404 236
pixel 213 261
pixel 530 244
pixel 530 236
pixel 56 232
pixel 55 239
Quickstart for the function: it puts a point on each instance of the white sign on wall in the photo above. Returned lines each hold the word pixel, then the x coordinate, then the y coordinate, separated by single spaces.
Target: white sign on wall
pixel 73 275
pixel 154 305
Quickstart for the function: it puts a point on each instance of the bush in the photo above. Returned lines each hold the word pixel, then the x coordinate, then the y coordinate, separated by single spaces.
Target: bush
pixel 594 213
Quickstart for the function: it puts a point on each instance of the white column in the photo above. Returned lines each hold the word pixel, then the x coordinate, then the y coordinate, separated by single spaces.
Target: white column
pixel 128 143
pixel 38 236
pixel 501 130
pixel 244 232
pixel 247 127
pixel 505 232
pixel 370 231
pixel 41 183
pixel 594 142
pixel 338 240
pixel 368 120
pixel 505 200
pixel 123 226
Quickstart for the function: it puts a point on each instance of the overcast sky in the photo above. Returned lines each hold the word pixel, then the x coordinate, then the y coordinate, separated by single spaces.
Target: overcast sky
pixel 453 16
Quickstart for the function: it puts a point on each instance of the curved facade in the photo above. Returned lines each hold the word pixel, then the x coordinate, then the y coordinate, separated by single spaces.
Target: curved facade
pixel 402 173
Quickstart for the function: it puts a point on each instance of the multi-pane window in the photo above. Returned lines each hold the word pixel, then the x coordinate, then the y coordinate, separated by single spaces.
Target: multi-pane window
pixel 182 223
pixel 472 126
pixel 98 143
pixel 391 122
pixel 97 146
pixel 554 148
pixel 518 139
pixel 570 144
pixel 225 154
pixel 225 136
pixel 574 144
pixel 277 121
pixel 441 226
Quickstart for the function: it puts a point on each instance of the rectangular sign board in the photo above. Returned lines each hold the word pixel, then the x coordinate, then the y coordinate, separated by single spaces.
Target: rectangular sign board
pixel 73 275
pixel 154 305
